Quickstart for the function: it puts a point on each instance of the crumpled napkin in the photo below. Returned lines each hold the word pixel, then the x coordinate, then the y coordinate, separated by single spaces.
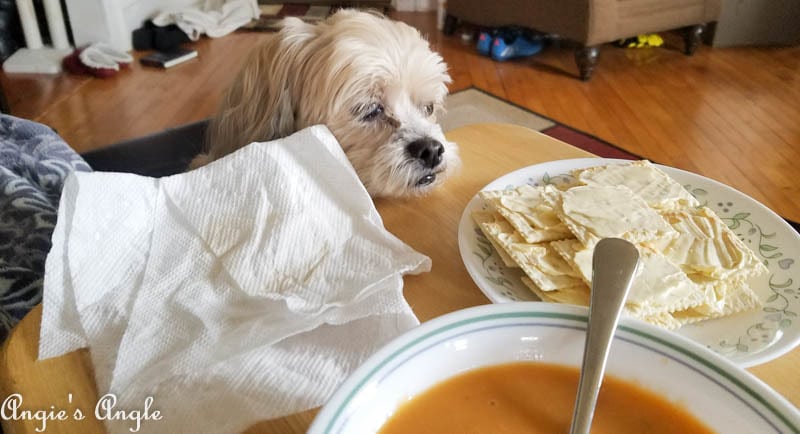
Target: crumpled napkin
pixel 245 290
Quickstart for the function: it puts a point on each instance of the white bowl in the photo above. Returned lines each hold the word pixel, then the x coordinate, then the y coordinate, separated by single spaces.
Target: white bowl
pixel 722 395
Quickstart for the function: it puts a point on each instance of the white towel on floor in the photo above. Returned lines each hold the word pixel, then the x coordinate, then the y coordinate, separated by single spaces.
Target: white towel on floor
pixel 215 18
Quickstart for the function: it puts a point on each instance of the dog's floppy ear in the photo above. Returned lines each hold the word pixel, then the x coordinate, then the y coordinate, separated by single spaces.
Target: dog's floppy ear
pixel 258 105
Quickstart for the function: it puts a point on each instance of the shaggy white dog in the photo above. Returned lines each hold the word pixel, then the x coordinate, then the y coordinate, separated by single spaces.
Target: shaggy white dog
pixel 374 82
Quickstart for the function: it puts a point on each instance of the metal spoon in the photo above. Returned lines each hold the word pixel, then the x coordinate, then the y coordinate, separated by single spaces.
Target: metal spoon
pixel 614 265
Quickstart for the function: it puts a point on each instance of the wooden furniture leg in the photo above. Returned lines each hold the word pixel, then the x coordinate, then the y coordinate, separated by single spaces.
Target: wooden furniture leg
pixel 586 58
pixel 450 23
pixel 691 38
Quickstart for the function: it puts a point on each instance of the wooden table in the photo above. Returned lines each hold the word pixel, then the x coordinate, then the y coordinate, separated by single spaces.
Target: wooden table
pixel 429 224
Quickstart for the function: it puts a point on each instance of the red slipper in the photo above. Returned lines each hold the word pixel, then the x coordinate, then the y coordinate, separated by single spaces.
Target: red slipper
pixel 74 65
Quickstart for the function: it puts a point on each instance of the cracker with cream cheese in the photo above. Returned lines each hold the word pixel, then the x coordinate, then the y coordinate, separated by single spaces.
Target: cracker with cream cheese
pixel 730 296
pixel 577 295
pixel 539 262
pixel 664 320
pixel 659 285
pixel 544 266
pixel 481 217
pixel 643 178
pixel 526 210
pixel 581 295
pixel 705 245
pixel 596 212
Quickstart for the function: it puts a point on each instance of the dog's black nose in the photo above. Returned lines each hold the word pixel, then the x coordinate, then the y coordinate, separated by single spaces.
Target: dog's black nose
pixel 427 150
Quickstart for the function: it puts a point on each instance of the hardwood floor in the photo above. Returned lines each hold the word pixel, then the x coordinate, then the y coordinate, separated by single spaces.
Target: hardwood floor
pixel 729 114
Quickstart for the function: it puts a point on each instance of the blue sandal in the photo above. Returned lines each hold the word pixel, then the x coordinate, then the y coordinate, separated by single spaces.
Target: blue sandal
pixel 521 46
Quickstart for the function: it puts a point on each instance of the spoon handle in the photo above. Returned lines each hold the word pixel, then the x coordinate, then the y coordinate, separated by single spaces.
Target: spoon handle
pixel 614 265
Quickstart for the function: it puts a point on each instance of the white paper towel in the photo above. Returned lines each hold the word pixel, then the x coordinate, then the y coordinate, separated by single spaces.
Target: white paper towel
pixel 245 290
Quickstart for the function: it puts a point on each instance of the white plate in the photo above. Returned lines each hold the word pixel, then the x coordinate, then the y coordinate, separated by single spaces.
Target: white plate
pixel 747 339
pixel 726 398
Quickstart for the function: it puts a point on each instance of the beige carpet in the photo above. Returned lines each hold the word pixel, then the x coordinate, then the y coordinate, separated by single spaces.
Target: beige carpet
pixel 472 106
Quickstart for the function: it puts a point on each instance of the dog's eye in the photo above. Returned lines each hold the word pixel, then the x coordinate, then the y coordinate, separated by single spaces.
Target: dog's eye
pixel 373 111
pixel 428 109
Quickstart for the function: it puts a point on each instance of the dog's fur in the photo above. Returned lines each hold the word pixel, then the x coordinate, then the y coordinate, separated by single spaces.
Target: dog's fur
pixel 340 73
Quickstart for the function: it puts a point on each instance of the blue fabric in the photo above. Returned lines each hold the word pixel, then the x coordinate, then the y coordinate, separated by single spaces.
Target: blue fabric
pixel 34 162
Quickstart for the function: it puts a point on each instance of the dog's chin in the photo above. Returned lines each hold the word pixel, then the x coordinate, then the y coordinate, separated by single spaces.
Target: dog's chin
pixel 409 182
pixel 426 180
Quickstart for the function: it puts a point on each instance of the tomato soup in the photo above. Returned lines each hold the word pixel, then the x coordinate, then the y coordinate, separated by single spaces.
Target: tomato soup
pixel 535 398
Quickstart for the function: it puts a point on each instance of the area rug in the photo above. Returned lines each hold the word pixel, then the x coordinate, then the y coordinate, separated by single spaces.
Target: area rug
pixel 473 105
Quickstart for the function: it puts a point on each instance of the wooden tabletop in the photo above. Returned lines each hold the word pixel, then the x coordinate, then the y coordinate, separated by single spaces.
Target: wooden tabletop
pixel 428 224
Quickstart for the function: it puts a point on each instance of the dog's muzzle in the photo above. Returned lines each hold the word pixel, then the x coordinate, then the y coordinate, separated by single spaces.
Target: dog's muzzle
pixel 428 153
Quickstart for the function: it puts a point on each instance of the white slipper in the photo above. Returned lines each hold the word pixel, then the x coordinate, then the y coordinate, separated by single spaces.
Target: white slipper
pixel 114 54
pixel 101 55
